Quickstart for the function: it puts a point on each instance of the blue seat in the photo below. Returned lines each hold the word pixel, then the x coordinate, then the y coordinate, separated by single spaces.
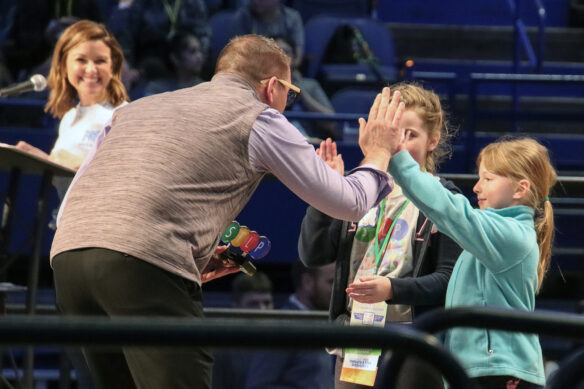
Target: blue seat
pixel 342 8
pixel 221 31
pixel 470 13
pixel 213 6
pixel 353 100
pixel 320 30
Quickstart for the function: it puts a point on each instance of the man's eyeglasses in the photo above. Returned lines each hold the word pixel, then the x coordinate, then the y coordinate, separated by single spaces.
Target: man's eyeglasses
pixel 293 91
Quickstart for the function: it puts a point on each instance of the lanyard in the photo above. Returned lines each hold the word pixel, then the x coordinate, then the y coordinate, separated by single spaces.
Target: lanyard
pixel 172 13
pixel 58 9
pixel 380 251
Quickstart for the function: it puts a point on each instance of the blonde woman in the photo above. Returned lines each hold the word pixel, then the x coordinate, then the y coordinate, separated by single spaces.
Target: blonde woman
pixel 86 87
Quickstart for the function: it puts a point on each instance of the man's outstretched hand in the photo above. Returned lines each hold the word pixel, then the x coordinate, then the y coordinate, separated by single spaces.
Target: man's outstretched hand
pixel 380 136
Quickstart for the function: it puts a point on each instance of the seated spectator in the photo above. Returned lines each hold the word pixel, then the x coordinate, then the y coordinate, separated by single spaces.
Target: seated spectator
pixel 231 366
pixel 186 60
pixel 299 368
pixel 312 287
pixel 312 98
pixel 270 18
pixel 145 26
pixel 252 292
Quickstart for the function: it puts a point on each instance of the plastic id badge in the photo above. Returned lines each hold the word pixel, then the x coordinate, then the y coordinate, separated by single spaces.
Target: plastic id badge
pixel 360 365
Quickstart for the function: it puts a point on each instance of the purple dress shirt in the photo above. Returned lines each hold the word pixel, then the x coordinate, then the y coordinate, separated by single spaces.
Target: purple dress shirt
pixel 277 147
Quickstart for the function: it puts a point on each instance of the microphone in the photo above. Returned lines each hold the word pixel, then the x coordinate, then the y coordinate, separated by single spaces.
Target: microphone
pixel 246 266
pixel 244 244
pixel 36 83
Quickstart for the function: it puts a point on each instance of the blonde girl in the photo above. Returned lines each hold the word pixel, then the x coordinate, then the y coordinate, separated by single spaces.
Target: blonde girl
pixel 506 244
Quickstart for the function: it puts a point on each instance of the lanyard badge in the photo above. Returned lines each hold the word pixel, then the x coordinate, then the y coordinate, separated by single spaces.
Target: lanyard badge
pixel 360 365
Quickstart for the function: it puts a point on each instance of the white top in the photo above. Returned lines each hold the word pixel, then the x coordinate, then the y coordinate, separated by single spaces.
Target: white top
pixel 78 132
pixel 80 127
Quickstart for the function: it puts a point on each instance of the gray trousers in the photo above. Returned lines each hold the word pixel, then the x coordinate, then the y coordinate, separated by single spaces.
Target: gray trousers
pixel 100 282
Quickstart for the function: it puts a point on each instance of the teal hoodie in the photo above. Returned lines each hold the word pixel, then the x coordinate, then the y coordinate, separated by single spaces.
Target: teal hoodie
pixel 498 268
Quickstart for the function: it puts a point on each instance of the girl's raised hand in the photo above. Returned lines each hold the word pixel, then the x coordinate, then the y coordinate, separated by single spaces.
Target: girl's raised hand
pixel 405 137
pixel 370 290
pixel 328 152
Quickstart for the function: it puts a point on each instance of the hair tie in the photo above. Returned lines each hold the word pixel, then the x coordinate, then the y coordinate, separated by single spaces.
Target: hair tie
pixel 546 199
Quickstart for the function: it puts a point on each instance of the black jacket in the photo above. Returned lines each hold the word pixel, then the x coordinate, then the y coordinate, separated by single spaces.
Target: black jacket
pixel 324 240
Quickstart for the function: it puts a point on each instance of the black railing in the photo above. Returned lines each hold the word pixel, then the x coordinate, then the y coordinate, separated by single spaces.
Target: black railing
pixel 555 324
pixel 563 325
pixel 404 340
pixel 180 332
pixel 521 39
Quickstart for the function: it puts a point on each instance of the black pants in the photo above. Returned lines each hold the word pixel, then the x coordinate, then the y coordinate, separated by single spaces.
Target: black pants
pixel 100 282
pixel 503 382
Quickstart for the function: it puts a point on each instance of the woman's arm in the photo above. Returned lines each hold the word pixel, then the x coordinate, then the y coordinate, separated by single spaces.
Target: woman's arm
pixel 24 146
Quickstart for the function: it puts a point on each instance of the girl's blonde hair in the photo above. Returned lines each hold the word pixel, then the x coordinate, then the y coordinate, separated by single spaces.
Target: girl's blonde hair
pixel 526 159
pixel 63 96
pixel 427 105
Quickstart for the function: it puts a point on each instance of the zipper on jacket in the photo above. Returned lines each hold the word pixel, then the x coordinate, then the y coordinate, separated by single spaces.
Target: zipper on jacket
pixel 419 233
pixel 489 348
pixel 422 243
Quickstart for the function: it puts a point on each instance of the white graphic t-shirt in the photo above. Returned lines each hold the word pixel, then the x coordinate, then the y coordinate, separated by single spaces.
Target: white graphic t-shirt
pixel 397 260
pixel 78 131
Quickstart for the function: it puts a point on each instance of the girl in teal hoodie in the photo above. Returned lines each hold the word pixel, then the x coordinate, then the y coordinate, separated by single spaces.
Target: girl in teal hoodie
pixel 507 245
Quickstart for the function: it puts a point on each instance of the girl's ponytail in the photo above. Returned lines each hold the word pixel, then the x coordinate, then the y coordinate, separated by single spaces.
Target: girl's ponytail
pixel 544 228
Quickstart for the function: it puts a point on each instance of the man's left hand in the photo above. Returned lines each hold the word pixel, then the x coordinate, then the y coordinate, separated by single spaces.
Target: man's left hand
pixel 218 267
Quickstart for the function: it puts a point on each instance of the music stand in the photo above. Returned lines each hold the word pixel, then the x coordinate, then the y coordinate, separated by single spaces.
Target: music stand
pixel 19 162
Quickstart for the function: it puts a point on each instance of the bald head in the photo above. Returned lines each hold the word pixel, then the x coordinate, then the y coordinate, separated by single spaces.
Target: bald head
pixel 253 57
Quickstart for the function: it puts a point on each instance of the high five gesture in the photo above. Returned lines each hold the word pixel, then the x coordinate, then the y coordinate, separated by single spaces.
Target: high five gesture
pixel 379 137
